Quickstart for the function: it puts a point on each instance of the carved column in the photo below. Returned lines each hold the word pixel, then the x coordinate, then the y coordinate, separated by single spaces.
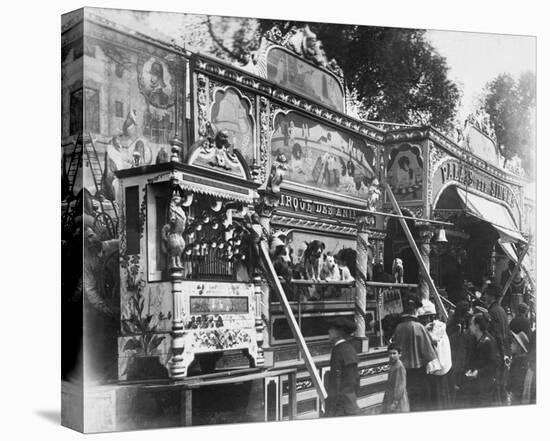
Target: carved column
pixel 361 276
pixel 425 234
pixel 178 368
pixel 265 208
pixel 258 322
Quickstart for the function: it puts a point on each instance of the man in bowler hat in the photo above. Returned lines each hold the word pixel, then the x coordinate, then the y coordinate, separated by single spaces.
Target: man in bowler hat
pixel 343 380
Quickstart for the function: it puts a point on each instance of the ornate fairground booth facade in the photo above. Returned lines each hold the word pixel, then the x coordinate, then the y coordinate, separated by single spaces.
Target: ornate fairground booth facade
pixel 485 207
pixel 231 212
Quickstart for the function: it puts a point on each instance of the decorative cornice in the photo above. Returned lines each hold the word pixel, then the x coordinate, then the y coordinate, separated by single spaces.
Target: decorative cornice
pixel 326 227
pixel 288 99
pixel 407 135
pixel 471 159
pixel 442 142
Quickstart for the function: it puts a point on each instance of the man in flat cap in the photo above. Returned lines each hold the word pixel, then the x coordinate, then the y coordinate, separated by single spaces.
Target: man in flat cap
pixel 343 380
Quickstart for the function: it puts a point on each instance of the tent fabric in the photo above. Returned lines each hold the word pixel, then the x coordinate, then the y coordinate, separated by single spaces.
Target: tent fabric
pixel 492 212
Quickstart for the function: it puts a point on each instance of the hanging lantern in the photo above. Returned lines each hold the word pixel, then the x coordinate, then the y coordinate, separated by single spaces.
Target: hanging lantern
pixel 215 224
pixel 213 244
pixel 198 226
pixel 441 236
pixel 205 218
pixel 188 251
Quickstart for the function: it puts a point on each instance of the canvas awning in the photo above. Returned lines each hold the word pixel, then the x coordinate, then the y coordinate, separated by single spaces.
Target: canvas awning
pixel 492 212
pixel 512 254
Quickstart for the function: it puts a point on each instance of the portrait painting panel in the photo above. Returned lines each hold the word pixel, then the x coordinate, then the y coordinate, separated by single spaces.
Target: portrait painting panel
pixel 405 172
pixel 156 82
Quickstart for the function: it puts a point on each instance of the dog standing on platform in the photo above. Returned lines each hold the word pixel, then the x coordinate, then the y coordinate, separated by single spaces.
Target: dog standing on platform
pixel 312 259
pixel 397 270
pixel 330 270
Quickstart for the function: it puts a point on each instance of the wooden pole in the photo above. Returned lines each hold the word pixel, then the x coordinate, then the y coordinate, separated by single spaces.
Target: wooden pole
pixel 416 252
pixel 514 272
pixel 362 257
pixel 275 283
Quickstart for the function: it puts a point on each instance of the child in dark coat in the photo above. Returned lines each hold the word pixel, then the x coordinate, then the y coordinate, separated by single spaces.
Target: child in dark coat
pixel 395 397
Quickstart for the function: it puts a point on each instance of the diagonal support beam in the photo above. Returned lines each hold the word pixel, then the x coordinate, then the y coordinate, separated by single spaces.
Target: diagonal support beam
pixel 514 272
pixel 275 283
pixel 416 252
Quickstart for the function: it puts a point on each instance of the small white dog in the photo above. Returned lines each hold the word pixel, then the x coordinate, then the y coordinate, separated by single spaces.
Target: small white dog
pixel 330 271
pixel 397 269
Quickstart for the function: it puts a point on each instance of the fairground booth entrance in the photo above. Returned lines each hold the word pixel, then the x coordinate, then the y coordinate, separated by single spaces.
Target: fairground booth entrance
pixel 230 212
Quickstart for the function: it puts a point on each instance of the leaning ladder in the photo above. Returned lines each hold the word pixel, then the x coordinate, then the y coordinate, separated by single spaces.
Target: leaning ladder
pixel 414 247
pixel 275 283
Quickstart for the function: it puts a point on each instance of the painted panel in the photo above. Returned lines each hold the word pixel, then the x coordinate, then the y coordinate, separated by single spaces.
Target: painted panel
pixel 218 305
pixel 290 71
pixel 405 172
pixel 231 112
pixel 322 157
pixel 138 87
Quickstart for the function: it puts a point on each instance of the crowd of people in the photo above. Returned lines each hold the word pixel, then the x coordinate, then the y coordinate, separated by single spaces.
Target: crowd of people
pixel 478 357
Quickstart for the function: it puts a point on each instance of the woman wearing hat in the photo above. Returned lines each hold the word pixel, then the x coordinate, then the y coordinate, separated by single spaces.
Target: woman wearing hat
pixel 481 377
pixel 521 321
pixel 343 380
pixel 416 353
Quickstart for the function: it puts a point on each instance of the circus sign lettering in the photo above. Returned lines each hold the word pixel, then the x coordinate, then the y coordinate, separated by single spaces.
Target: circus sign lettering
pixel 454 171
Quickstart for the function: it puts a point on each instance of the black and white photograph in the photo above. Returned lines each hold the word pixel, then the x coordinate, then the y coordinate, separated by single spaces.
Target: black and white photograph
pixel 281 220
pixel 274 220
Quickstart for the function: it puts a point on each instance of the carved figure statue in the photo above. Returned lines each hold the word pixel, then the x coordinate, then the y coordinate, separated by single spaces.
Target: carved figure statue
pixel 172 233
pixel 373 195
pixel 311 47
pixel 221 141
pixel 277 175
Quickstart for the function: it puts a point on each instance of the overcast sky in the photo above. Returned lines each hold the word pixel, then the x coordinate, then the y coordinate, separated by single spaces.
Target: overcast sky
pixel 476 58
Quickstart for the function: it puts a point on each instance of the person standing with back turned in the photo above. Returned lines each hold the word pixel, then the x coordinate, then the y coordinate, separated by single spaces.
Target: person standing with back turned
pixel 500 330
pixel 416 353
pixel 343 376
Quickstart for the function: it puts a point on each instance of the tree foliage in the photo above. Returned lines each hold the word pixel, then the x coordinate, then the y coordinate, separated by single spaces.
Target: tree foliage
pixel 397 75
pixel 510 104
